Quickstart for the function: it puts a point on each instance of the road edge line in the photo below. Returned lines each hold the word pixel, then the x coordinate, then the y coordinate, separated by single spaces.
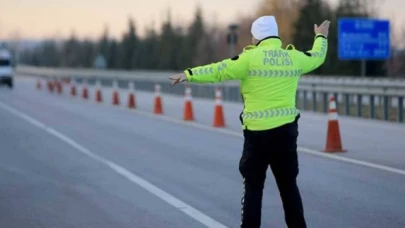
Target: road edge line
pixel 168 198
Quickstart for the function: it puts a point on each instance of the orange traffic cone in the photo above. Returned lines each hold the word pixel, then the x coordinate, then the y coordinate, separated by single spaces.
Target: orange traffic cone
pixel 50 86
pixel 219 120
pixel 99 97
pixel 39 84
pixel 158 101
pixel 131 96
pixel 55 85
pixel 116 98
pixel 188 106
pixel 333 140
pixel 85 92
pixel 58 86
pixel 73 89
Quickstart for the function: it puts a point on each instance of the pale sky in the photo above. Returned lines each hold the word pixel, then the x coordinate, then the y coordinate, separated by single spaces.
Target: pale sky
pixel 57 18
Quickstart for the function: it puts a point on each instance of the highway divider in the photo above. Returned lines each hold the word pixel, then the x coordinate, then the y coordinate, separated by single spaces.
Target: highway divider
pixel 378 98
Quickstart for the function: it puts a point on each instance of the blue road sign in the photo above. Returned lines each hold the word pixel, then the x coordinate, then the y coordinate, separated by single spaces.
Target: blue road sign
pixel 363 39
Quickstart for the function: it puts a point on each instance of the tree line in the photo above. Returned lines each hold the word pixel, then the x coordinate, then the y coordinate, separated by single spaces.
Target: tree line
pixel 176 48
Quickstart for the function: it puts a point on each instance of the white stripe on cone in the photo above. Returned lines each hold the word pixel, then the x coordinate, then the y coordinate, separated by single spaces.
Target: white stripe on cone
pixel 332 104
pixel 333 116
pixel 218 97
pixel 157 90
pixel 188 94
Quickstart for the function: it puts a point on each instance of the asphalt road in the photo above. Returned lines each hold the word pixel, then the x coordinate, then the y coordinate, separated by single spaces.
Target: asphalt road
pixel 47 182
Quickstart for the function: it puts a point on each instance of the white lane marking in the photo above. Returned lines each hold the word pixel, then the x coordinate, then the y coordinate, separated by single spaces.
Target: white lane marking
pixel 353 161
pixel 300 149
pixel 187 209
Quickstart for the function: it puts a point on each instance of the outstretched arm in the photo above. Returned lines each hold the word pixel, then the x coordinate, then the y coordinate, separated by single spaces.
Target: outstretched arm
pixel 235 68
pixel 228 69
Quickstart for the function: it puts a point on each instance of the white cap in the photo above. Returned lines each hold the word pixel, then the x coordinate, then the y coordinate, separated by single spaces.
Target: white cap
pixel 264 27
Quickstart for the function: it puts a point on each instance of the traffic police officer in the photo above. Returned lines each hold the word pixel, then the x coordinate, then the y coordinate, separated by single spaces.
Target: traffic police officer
pixel 268 76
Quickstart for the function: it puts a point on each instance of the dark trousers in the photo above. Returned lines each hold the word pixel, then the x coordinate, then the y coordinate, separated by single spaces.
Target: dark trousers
pixel 277 148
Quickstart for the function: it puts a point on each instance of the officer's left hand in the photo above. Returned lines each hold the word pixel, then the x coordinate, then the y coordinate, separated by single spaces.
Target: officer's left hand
pixel 178 78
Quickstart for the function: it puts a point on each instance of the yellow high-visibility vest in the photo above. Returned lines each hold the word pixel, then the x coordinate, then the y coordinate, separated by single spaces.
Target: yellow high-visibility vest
pixel 268 76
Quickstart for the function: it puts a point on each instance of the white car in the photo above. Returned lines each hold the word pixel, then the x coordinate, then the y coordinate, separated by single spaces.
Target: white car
pixel 6 68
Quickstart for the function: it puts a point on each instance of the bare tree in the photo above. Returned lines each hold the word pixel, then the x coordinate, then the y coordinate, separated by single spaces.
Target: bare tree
pixel 396 63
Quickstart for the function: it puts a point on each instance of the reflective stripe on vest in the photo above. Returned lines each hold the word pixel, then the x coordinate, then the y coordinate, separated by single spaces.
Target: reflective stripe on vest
pixel 209 70
pixel 275 73
pixel 323 51
pixel 269 113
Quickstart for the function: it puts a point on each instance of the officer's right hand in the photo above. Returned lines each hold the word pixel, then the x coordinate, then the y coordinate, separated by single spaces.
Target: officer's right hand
pixel 178 78
pixel 323 28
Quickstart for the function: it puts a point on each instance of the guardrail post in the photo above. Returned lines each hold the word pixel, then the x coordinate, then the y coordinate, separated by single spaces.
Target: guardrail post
pixel 372 106
pixel 400 109
pixel 196 90
pixel 304 100
pixel 201 91
pixel 326 102
pixel 314 102
pixel 239 94
pixel 226 96
pixel 337 101
pixel 347 104
pixel 359 105
pixel 385 107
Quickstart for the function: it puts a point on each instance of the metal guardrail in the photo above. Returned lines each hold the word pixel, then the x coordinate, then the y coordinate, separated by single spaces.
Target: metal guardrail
pixel 378 98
